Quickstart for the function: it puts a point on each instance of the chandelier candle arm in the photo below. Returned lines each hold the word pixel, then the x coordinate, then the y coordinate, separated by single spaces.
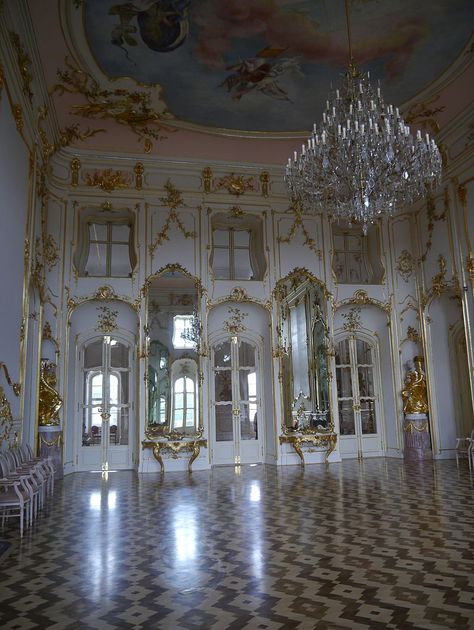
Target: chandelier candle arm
pixel 362 163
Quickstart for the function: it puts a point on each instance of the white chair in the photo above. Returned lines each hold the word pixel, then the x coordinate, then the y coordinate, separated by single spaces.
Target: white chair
pixel 465 448
pixel 16 497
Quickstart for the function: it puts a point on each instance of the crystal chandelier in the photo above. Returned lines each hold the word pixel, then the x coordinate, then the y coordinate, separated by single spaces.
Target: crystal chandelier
pixel 362 162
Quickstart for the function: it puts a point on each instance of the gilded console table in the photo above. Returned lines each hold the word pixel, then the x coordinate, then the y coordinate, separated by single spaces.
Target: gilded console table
pixel 175 447
pixel 298 440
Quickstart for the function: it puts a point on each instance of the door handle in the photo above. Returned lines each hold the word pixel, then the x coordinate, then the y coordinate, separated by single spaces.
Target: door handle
pixel 104 415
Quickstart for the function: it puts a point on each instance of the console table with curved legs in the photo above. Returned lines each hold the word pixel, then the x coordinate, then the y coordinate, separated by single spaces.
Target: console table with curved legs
pixel 175 447
pixel 299 440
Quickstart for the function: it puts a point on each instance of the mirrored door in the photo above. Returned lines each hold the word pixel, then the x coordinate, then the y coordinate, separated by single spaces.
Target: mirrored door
pixel 106 404
pixel 359 414
pixel 237 422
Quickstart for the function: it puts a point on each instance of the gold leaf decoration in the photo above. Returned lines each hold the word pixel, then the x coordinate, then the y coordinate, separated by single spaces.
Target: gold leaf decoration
pixel 172 201
pixel 235 184
pixel 24 64
pixel 131 108
pixel 352 319
pixel 106 320
pixel 405 264
pixel 108 179
pixel 235 323
pixel 298 224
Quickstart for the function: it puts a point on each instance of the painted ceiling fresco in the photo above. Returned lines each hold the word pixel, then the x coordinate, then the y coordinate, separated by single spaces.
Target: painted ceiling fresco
pixel 268 64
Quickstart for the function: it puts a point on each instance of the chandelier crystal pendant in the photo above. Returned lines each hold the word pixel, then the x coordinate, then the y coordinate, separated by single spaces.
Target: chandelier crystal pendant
pixel 362 162
pixel 193 332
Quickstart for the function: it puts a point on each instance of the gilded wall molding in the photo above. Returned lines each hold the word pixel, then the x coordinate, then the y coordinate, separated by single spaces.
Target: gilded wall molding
pixel 16 387
pixel 24 62
pixel 238 294
pixel 6 417
pixel 295 278
pixel 462 195
pixel 172 268
pixel 104 293
pixel 361 298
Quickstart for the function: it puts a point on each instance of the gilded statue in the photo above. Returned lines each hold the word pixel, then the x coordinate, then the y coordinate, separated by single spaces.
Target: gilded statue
pixel 50 401
pixel 414 395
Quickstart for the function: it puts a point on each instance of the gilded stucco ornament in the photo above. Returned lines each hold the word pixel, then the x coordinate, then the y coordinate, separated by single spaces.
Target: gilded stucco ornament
pixel 173 200
pixel 405 264
pixel 75 168
pixel 236 184
pixel 352 319
pixel 108 179
pixel 172 268
pixel 139 170
pixel 16 387
pixel 265 183
pixel 298 224
pixel 362 298
pixel 18 117
pixel 24 65
pixel 413 334
pixel 50 251
pixel 106 319
pixel 206 177
pixel 423 114
pixel 6 417
pixel 50 402
pixel 131 108
pixel 104 293
pixel 470 266
pixel 68 135
pixel 239 294
pixel 235 323
pixel 434 218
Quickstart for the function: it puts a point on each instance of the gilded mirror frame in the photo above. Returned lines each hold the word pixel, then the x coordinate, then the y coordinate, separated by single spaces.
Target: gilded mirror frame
pixel 285 288
pixel 167 432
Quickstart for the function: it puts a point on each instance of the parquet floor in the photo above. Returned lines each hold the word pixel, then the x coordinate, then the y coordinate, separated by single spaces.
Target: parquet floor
pixel 376 544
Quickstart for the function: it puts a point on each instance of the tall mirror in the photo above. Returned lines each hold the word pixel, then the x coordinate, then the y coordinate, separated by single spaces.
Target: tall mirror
pixel 303 351
pixel 173 330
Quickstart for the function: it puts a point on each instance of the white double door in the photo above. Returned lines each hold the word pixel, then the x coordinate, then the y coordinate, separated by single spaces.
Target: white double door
pixel 105 420
pixel 237 428
pixel 358 390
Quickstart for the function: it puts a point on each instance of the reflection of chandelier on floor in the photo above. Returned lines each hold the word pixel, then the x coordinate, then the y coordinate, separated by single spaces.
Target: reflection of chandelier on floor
pixel 362 163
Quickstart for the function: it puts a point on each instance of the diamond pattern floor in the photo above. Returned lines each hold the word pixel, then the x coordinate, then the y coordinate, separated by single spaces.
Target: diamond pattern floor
pixel 376 544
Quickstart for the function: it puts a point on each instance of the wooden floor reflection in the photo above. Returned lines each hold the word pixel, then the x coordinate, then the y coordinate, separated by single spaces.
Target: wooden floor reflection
pixel 373 544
